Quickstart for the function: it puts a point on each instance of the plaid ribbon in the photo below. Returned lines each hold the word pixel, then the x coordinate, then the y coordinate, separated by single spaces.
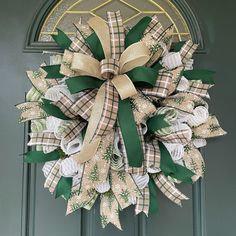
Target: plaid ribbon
pixel 169 190
pixel 199 88
pixel 181 136
pixel 109 68
pixel 132 170
pixel 152 155
pixel 117 34
pixel 142 204
pixel 187 51
pixel 155 28
pixel 82 107
pixel 161 88
pixel 53 177
pixel 79 45
pixel 44 139
pixel 72 130
pixel 110 109
pixel 30 111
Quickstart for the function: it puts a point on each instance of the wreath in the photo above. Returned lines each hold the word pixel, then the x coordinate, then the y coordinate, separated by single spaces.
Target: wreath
pixel 118 113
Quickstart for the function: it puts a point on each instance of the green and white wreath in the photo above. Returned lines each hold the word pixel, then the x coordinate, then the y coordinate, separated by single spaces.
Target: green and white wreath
pixel 119 114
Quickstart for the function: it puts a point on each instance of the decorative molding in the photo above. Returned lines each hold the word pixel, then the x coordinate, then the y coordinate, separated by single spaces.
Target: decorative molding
pixel 192 22
pixel 199 209
pixel 28 192
pixel 34 46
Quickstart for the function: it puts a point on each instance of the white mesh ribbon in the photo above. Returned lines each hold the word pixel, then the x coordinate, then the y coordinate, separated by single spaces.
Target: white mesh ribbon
pixel 172 60
pixel 69 167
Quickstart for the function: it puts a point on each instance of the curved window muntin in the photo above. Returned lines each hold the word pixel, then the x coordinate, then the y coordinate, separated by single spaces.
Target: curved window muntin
pixel 66 12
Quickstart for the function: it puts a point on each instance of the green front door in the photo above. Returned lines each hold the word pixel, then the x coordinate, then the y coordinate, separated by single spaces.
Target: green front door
pixel 27 209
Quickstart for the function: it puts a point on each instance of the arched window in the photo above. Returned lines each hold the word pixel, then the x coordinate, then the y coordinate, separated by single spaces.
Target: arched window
pixel 63 13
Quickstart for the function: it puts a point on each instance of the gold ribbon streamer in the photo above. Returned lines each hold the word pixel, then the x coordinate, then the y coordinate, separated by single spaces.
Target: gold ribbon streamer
pixel 135 55
pixel 89 149
pixel 124 86
pixel 102 30
pixel 86 65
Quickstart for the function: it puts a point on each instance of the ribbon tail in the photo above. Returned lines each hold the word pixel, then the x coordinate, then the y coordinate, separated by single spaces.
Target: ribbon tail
pixel 130 134
pixel 143 202
pixel 109 210
pixel 169 189
pixel 53 177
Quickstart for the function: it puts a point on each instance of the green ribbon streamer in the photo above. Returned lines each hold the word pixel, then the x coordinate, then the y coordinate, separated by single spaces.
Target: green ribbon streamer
pixel 171 169
pixel 136 33
pixel 80 83
pixel 62 40
pixel 64 187
pixel 53 110
pixel 143 76
pixel 53 71
pixel 95 46
pixel 40 156
pixel 206 76
pixel 153 206
pixel 157 122
pixel 157 66
pixel 130 134
pixel 178 46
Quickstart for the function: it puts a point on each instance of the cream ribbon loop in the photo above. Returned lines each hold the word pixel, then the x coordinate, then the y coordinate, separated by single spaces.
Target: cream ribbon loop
pixel 135 55
pixel 101 28
pixel 86 65
pixel 124 86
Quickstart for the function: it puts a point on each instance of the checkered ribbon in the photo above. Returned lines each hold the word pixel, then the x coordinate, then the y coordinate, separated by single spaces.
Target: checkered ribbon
pixel 53 177
pixel 199 88
pixel 142 204
pixel 72 130
pixel 44 139
pixel 155 29
pixel 152 155
pixel 169 190
pixel 79 45
pixel 117 34
pixel 187 51
pixel 110 109
pixel 109 68
pixel 161 88
pixel 82 107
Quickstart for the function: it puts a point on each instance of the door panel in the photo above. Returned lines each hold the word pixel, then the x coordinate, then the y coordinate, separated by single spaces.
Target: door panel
pixel 30 210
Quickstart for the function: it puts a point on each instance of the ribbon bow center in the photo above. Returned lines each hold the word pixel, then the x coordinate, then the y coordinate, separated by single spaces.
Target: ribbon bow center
pixel 109 68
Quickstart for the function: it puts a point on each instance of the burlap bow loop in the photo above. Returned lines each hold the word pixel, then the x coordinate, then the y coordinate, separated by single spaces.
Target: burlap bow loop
pixel 134 56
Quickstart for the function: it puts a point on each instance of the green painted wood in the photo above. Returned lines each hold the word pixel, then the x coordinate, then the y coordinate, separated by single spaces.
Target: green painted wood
pixel 27 209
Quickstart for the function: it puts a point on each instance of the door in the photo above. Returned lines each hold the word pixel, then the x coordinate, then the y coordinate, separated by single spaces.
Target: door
pixel 27 209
